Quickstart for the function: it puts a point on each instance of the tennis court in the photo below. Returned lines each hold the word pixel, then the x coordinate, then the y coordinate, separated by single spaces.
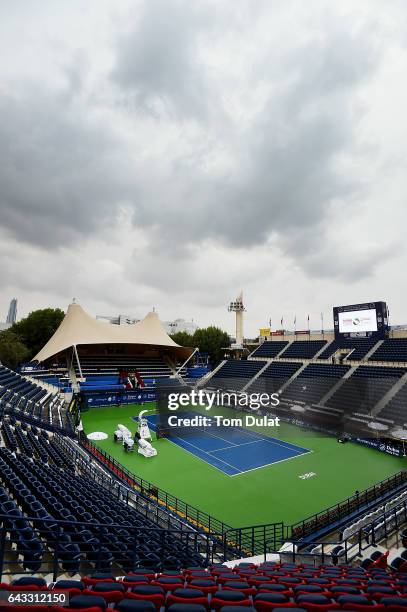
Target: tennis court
pixel 232 450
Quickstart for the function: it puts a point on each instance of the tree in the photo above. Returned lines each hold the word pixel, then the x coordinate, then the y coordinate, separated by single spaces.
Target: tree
pixel 35 330
pixel 183 338
pixel 213 341
pixel 12 350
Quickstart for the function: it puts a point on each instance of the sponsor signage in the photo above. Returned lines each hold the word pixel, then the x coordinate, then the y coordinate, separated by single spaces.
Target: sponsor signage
pixel 385 447
pixel 112 399
pixel 368 320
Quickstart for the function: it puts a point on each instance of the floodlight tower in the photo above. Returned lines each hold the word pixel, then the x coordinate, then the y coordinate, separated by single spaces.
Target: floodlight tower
pixel 238 307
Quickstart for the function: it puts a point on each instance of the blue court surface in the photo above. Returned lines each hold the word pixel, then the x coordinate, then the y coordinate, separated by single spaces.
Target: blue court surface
pixel 233 450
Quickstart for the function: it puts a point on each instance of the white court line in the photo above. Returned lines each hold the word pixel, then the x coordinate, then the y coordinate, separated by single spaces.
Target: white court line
pixel 276 441
pixel 233 466
pixel 273 463
pixel 206 453
pixel 218 437
pixel 205 431
pixel 257 438
pixel 236 446
pixel 253 434
pixel 272 440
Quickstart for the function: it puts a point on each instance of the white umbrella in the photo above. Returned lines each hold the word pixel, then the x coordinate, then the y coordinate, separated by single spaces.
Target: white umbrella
pixel 97 435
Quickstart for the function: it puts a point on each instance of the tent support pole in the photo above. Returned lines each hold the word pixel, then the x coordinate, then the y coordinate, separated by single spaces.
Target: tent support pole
pixel 185 362
pixel 77 359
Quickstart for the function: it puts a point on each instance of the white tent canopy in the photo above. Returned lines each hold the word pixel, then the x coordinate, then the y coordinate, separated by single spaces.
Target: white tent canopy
pixel 79 328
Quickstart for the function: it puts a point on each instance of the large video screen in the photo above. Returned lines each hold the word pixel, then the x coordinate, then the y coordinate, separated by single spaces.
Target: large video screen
pixel 358 321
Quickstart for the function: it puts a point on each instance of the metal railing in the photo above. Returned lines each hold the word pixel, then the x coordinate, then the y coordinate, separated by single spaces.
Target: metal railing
pixel 195 517
pixel 20 415
pixel 244 541
pixel 57 547
pixel 362 500
pixel 345 550
pixel 249 538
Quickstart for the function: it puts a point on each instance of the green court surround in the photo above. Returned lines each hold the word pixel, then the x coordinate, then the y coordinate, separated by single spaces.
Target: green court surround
pixel 266 495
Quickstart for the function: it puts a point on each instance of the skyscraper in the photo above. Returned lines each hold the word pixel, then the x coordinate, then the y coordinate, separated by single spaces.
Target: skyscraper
pixel 12 312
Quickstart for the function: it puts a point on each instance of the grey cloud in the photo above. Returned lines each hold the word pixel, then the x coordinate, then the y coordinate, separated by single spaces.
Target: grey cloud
pixel 216 152
pixel 158 60
pixel 63 174
pixel 284 174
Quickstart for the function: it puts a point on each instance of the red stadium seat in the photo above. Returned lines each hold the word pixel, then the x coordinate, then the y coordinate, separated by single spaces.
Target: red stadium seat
pixel 152 593
pixel 226 577
pixel 68 609
pixel 259 580
pixel 195 575
pixel 238 585
pixel 112 596
pixel 143 572
pixel 168 583
pixel 204 585
pixel 90 581
pixel 187 596
pixel 229 598
pixel 33 608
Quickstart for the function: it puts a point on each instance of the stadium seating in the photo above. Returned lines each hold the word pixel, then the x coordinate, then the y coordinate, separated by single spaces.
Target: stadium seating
pixel 18 391
pixel 32 402
pixel 148 367
pixel 364 388
pixel 314 382
pixel 264 587
pixel 269 349
pixel 357 347
pixel 392 349
pixel 302 349
pixel 274 377
pixel 235 374
pixel 395 409
pixel 38 481
pixel 239 369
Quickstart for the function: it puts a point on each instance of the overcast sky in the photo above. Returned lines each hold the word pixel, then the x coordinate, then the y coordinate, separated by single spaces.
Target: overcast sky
pixel 169 153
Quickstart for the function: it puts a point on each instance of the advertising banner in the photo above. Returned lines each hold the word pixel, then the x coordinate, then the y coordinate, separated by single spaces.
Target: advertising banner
pixel 135 396
pixel 381 445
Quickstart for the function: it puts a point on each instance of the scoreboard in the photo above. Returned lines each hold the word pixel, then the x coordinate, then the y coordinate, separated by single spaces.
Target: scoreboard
pixel 368 320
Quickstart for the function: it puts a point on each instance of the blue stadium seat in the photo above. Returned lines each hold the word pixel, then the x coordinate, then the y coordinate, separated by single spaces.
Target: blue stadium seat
pixel 269 349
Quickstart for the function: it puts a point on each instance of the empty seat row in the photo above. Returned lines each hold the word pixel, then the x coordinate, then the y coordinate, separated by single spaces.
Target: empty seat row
pixel 303 349
pixel 269 349
pixel 392 349
pixel 364 388
pixel 274 377
pixel 314 382
pixel 357 348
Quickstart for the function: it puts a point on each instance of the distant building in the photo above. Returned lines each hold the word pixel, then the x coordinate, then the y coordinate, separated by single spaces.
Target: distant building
pixel 12 312
pixel 171 327
pixel 119 320
pixel 179 325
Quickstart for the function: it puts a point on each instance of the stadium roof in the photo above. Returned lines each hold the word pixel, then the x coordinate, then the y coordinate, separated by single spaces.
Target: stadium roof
pixel 79 328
